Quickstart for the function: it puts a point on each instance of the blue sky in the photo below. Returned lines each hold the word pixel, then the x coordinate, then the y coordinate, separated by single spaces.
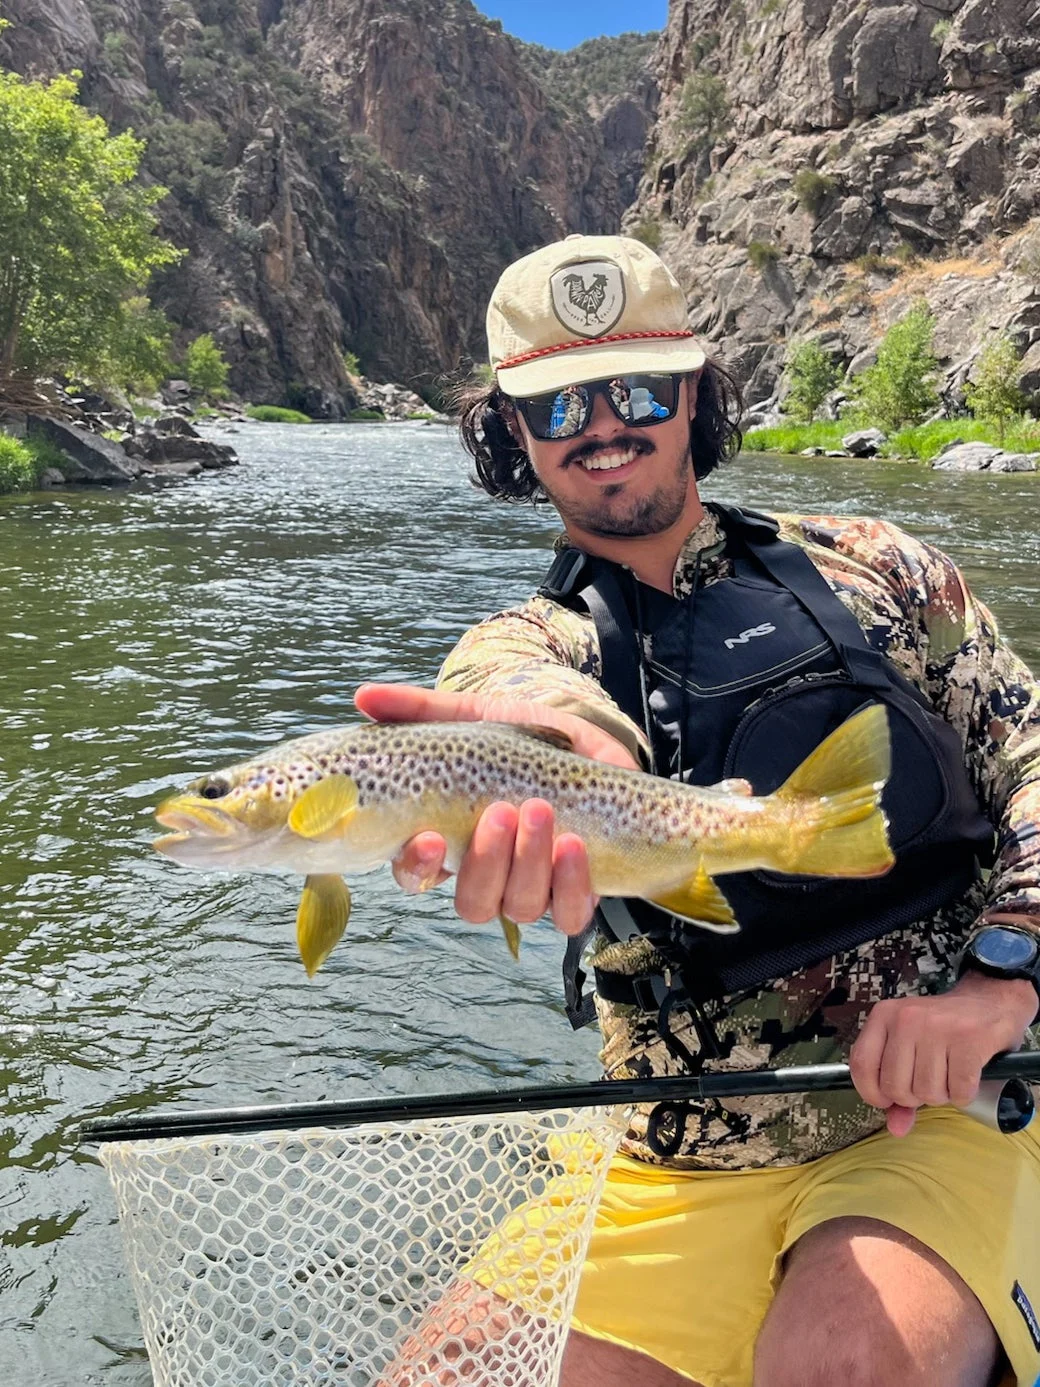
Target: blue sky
pixel 564 23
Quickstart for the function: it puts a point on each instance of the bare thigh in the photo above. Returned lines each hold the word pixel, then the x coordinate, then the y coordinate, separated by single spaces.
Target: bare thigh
pixel 865 1305
pixel 589 1362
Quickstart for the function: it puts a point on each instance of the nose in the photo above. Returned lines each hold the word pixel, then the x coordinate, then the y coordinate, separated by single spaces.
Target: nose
pixel 603 422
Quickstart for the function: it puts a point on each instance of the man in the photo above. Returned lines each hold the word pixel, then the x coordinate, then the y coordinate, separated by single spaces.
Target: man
pixel 782 1242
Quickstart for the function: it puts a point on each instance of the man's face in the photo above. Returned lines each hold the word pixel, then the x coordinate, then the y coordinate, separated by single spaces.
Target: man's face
pixel 618 480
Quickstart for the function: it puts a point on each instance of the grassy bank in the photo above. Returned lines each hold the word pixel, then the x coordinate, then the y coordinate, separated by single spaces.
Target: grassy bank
pixel 918 444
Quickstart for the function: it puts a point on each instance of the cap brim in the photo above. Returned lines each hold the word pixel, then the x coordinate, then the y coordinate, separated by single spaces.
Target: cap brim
pixel 594 362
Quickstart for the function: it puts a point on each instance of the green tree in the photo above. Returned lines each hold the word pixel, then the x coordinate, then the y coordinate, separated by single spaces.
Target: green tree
pixel 77 232
pixel 811 376
pixel 704 110
pixel 899 388
pixel 994 394
pixel 206 369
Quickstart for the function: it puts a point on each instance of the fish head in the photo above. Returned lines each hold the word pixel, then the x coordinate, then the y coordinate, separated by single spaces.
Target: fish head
pixel 222 819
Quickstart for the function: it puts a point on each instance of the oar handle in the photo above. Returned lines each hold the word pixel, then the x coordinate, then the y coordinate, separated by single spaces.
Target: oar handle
pixel 1011 1075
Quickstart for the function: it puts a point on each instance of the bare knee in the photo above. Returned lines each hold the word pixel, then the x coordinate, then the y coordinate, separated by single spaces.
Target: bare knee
pixel 589 1362
pixel 864 1305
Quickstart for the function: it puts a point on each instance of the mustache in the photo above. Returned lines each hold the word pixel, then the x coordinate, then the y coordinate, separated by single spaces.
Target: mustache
pixel 639 444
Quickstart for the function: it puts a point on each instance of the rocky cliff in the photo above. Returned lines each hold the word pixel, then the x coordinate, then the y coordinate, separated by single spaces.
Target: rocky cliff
pixel 348 175
pixel 817 166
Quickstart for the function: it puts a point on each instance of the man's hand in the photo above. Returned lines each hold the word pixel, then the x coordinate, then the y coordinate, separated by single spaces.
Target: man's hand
pixel 918 1050
pixel 514 864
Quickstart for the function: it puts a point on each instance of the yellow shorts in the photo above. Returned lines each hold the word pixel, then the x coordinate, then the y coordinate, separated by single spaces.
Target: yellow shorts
pixel 668 1242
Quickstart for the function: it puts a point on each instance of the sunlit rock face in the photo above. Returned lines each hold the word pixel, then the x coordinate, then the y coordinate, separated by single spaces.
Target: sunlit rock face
pixel 816 167
pixel 348 175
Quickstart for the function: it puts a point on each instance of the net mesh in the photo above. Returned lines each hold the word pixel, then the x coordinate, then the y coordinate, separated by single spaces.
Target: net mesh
pixel 429 1253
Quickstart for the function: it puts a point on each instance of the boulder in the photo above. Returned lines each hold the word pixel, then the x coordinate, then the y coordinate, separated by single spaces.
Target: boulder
pixel 175 392
pixel 864 443
pixel 172 447
pixel 983 457
pixel 91 458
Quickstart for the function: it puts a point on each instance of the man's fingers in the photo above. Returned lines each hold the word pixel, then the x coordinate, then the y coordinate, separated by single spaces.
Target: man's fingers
pixel 484 870
pixel 965 1077
pixel 572 898
pixel 865 1061
pixel 420 863
pixel 931 1081
pixel 412 703
pixel 526 896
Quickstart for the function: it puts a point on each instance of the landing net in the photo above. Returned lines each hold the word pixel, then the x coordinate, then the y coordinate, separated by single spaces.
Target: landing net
pixel 439 1252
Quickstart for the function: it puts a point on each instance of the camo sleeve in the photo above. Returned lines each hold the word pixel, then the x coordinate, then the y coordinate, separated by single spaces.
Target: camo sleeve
pixel 947 641
pixel 542 652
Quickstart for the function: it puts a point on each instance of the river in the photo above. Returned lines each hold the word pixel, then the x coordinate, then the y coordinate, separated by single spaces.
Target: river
pixel 152 634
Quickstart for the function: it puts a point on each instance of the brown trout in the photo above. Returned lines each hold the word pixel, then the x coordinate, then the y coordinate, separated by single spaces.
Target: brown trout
pixel 347 799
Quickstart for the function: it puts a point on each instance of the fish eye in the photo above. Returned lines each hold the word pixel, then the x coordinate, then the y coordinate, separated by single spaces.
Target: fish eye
pixel 214 789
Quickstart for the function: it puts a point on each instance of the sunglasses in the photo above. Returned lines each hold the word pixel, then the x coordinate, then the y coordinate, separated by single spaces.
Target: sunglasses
pixel 565 413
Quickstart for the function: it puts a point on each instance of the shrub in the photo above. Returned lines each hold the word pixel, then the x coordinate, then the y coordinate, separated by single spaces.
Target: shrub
pixel 274 414
pixel 812 189
pixel 648 231
pixel 351 363
pixel 811 376
pixel 18 469
pixel 940 30
pixel 994 395
pixel 205 368
pixel 762 253
pixel 899 389
pixel 366 416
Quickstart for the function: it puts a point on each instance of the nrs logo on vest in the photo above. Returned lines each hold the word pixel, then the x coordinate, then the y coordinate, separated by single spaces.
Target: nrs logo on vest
pixel 764 630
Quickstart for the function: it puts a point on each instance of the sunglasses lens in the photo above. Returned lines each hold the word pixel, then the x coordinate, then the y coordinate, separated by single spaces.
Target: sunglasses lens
pixel 561 414
pixel 644 399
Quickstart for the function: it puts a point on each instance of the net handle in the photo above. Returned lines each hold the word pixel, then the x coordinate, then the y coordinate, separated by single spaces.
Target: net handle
pixel 812 1078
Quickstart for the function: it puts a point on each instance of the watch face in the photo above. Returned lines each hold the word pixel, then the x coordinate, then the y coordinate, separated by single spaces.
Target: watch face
pixel 1005 948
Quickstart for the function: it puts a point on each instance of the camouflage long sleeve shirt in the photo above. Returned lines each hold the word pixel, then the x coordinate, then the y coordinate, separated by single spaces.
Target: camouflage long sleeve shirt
pixel 914 607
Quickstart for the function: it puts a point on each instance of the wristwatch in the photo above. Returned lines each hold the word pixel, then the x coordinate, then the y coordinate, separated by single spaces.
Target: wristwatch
pixel 1001 951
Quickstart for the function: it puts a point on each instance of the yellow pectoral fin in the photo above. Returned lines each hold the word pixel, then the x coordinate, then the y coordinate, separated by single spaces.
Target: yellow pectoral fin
pixel 324 807
pixel 321 919
pixel 511 930
pixel 700 902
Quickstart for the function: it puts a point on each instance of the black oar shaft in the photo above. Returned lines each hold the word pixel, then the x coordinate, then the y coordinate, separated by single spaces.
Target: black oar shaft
pixel 812 1078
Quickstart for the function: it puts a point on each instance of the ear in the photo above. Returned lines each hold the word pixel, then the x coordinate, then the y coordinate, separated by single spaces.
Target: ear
pixel 693 381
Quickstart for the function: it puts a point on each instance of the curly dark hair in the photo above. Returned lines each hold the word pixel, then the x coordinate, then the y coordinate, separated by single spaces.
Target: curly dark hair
pixel 505 472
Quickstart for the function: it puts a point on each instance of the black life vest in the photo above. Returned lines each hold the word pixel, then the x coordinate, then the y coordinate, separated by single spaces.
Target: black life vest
pixel 772 662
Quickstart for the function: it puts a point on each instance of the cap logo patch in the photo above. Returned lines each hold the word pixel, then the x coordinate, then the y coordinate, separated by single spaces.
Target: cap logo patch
pixel 588 298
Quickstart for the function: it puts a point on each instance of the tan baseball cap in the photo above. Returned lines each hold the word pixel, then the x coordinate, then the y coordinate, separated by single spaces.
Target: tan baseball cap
pixel 587 308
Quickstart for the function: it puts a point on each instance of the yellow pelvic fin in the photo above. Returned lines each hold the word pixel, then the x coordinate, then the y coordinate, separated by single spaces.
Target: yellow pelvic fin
pixel 840 828
pixel 325 807
pixel 321 919
pixel 700 902
pixel 511 930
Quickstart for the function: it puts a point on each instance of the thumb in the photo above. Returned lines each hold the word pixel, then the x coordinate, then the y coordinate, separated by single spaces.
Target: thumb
pixel 900 1120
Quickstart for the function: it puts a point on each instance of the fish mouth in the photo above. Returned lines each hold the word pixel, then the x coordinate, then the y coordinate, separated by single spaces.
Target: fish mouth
pixel 191 817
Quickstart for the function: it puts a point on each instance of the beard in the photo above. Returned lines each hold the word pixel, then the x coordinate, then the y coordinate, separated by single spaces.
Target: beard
pixel 613 515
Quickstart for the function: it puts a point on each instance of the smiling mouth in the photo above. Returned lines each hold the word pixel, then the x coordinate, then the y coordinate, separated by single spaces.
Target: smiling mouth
pixel 609 459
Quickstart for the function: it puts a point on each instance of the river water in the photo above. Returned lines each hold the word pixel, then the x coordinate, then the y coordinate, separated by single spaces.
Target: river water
pixel 153 634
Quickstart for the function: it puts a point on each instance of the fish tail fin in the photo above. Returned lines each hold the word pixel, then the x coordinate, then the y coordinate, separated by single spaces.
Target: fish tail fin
pixel 838 827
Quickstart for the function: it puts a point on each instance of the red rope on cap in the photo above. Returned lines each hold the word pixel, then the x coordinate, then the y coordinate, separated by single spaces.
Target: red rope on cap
pixel 588 342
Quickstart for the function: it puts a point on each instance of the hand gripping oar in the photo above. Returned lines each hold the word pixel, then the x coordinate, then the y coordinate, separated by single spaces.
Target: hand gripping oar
pixel 1004 1101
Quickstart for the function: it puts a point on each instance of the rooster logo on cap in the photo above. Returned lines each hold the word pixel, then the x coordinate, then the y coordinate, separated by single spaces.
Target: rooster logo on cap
pixel 586 298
